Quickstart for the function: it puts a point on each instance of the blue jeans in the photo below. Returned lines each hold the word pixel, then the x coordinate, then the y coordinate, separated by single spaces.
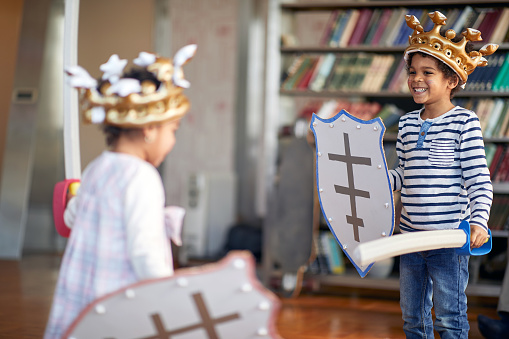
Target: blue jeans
pixel 434 278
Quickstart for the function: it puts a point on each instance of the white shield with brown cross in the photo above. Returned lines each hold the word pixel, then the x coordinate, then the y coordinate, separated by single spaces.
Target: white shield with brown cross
pixel 214 301
pixel 352 180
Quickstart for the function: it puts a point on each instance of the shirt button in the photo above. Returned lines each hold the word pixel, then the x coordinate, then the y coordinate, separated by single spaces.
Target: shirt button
pixel 422 133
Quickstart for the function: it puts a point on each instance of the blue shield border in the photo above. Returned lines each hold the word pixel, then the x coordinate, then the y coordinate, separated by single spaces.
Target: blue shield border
pixel 387 231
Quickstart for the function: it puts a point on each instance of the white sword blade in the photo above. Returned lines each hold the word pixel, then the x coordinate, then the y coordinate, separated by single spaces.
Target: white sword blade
pixel 383 248
pixel 71 114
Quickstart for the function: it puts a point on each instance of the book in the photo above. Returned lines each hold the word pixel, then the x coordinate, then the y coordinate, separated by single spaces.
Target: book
pixel 502 129
pixel 480 18
pixel 349 28
pixel 321 256
pixel 503 115
pixel 383 73
pixel 503 167
pixel 292 81
pixel 373 73
pixel 333 252
pixel 380 28
pixel 405 31
pixel 501 27
pixel 374 23
pixel 292 69
pixel 399 77
pixel 329 28
pixel 497 65
pixel 351 72
pixel 306 77
pixel 342 20
pixel 493 117
pixel 488 24
pixel 459 25
pixel 341 71
pixel 393 24
pixel 316 68
pixel 323 73
pixel 394 68
pixel 361 27
pixel 495 162
pixel 490 150
pixel 399 25
pixel 501 75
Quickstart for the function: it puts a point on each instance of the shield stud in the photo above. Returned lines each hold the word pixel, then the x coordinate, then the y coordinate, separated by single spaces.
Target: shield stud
pixel 352 180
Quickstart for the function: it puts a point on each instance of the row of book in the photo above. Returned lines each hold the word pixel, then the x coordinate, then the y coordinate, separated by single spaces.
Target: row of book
pixel 387 27
pixel 365 110
pixel 346 72
pixel 329 257
pixel 499 214
pixel 493 115
pixel 497 158
pixel 372 73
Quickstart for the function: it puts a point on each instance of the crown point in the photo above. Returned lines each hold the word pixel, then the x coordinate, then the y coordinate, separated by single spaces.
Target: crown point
pixel 412 21
pixel 438 18
pixel 482 62
pixel 488 49
pixel 472 34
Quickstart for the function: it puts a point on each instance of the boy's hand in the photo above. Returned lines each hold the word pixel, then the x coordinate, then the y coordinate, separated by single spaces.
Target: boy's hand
pixel 478 236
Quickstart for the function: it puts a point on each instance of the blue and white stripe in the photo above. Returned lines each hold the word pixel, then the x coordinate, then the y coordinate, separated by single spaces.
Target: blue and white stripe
pixel 442 171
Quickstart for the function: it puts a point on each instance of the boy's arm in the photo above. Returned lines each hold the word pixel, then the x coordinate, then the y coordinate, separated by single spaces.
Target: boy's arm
pixel 477 178
pixel 396 175
pixel 147 243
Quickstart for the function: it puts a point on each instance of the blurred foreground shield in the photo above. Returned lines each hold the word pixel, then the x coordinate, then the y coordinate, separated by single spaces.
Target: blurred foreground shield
pixel 220 300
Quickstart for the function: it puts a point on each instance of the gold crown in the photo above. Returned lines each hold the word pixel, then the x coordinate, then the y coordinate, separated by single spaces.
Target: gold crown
pixel 127 102
pixel 451 53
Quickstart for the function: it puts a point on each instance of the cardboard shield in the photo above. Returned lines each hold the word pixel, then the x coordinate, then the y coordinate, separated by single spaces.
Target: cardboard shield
pixel 213 301
pixel 353 182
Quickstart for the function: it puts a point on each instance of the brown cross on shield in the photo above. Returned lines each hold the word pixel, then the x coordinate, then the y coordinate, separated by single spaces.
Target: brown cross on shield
pixel 208 323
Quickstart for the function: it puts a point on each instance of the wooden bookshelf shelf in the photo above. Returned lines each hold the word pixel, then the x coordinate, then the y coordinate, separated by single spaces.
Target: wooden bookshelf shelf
pixel 352 279
pixel 382 94
pixel 501 188
pixel 329 6
pixel 360 48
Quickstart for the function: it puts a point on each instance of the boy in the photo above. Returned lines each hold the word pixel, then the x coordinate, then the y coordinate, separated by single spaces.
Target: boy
pixel 443 178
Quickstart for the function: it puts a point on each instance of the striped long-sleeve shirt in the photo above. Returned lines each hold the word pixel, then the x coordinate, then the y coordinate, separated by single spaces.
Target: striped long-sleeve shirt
pixel 442 171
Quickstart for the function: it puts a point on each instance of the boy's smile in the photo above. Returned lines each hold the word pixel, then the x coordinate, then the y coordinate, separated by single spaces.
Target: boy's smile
pixel 428 84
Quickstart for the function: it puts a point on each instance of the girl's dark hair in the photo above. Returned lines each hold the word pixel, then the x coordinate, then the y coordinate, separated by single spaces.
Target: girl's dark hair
pixel 447 71
pixel 112 133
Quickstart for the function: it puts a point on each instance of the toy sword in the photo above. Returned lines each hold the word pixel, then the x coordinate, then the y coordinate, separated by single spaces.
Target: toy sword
pixel 71 122
pixel 380 249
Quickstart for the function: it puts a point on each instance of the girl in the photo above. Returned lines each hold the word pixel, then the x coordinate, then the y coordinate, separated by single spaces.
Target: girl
pixel 443 178
pixel 120 228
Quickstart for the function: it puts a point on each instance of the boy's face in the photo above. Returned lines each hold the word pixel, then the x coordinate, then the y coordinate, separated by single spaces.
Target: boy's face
pixel 164 140
pixel 427 82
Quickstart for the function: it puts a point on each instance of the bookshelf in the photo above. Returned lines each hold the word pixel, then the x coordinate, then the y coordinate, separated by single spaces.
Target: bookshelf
pixel 294 99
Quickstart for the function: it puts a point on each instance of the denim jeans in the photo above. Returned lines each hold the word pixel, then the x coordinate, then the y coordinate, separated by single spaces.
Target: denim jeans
pixel 436 279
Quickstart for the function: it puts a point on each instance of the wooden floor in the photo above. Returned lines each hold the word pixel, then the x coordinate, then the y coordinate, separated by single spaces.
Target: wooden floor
pixel 26 289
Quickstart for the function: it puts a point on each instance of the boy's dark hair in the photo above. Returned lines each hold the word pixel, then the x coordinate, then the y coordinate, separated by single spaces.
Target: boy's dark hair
pixel 448 72
pixel 112 133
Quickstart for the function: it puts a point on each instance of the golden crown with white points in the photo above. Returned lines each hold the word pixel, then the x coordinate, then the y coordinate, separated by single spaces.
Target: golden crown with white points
pixel 451 53
pixel 127 102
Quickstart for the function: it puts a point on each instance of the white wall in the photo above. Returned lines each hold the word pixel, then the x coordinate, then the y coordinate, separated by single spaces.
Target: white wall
pixel 205 141
pixel 124 27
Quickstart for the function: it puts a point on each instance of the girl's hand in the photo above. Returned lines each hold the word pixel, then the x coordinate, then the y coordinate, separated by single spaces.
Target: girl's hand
pixel 478 236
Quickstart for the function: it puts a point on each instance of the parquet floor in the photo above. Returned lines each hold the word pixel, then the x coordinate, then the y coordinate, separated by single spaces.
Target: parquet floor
pixel 26 289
